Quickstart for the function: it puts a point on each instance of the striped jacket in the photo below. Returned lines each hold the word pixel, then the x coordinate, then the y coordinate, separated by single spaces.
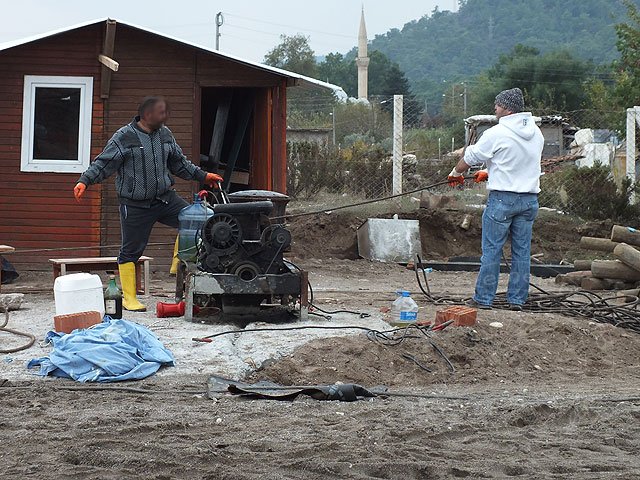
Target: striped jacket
pixel 145 164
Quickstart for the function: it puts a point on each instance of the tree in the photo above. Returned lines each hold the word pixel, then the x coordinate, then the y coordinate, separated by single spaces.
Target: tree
pixel 293 53
pixel 552 81
pixel 385 76
pixel 627 68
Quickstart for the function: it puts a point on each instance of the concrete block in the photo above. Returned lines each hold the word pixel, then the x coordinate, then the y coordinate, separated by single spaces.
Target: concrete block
pixel 389 240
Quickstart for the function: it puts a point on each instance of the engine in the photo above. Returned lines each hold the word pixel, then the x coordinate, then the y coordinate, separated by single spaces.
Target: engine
pixel 239 239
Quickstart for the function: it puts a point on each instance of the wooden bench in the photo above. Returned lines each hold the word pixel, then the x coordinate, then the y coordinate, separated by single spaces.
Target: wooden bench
pixel 62 266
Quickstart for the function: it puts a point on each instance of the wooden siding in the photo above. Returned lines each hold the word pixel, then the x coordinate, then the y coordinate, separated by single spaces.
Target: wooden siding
pixel 37 210
pixel 152 65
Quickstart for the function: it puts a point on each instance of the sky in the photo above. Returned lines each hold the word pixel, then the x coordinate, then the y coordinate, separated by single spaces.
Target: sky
pixel 251 27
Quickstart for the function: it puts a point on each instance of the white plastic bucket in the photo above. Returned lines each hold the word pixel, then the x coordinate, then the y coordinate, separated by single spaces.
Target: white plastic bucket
pixel 78 292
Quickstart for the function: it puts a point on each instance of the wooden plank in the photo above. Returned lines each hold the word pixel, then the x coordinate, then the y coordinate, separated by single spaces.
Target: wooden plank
pixel 219 129
pixel 245 115
pixel 107 50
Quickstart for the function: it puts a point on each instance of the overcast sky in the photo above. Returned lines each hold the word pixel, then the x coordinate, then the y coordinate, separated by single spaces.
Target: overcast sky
pixel 251 27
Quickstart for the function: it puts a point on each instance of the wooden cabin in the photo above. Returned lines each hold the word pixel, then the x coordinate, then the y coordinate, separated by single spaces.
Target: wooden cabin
pixel 64 93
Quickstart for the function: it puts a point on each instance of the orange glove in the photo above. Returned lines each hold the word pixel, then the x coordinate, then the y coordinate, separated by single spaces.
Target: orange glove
pixel 213 179
pixel 455 178
pixel 481 176
pixel 78 190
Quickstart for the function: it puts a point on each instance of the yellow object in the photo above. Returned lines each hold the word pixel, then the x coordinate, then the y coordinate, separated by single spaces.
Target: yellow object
pixel 128 281
pixel 174 263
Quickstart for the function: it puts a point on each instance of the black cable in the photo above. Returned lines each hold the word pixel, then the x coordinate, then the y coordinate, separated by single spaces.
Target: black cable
pixel 326 312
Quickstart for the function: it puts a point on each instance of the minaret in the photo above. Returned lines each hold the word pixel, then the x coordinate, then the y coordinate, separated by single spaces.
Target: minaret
pixel 363 60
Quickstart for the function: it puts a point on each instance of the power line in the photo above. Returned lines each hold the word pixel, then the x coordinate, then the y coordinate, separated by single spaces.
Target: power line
pixel 332 34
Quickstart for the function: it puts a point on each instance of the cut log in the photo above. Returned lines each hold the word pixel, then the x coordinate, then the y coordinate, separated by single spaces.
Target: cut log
pixel 628 296
pixel 614 269
pixel 599 244
pixel 627 235
pixel 582 265
pixel 593 283
pixel 628 255
pixel 573 278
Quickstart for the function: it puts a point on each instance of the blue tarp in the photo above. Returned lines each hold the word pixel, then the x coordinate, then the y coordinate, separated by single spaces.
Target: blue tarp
pixel 112 351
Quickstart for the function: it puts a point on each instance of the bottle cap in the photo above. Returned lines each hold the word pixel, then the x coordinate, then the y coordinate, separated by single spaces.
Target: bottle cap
pixel 112 277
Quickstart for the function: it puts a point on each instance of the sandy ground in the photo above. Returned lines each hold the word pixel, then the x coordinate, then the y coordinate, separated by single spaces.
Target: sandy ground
pixel 543 397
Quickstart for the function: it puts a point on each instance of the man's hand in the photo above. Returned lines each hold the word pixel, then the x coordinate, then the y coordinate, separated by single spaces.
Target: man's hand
pixel 78 190
pixel 481 176
pixel 455 178
pixel 213 179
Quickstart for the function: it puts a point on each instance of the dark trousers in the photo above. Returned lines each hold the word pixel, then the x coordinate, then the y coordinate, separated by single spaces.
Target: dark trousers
pixel 136 224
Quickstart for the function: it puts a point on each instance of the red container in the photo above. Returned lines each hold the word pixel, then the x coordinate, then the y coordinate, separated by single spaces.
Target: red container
pixel 164 310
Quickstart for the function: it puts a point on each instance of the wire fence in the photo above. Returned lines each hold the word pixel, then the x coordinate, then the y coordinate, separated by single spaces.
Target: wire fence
pixel 340 153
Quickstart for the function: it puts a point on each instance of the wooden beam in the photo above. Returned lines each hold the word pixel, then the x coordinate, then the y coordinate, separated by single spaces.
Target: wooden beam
pixel 108 62
pixel 107 51
pixel 219 129
pixel 245 115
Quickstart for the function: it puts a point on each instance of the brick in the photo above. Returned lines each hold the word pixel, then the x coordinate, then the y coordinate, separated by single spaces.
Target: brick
pixel 68 323
pixel 462 316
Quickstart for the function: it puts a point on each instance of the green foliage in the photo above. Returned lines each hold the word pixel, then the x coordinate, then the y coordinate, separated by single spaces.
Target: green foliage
pixel 385 76
pixel 627 87
pixel 366 120
pixel 458 46
pixel 293 53
pixel 432 142
pixel 552 81
pixel 589 193
pixel 360 170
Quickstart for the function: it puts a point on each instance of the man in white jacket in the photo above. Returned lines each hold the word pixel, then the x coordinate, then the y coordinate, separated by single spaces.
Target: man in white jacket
pixel 511 151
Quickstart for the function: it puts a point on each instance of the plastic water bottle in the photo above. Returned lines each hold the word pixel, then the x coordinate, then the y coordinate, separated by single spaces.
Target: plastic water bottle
pixel 191 220
pixel 404 310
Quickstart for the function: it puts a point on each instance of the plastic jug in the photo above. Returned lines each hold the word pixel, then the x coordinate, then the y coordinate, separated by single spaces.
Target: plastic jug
pixel 191 219
pixel 78 292
pixel 404 310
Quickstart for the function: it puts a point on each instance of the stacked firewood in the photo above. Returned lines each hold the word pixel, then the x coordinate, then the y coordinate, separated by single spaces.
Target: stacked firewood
pixel 621 274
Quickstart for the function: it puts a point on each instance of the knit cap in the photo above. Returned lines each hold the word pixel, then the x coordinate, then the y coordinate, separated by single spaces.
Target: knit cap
pixel 512 100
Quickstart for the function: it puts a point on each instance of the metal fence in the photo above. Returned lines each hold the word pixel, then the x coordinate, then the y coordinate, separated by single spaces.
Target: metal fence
pixel 360 153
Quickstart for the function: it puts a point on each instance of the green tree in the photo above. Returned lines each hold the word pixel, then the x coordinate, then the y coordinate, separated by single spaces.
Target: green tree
pixel 627 68
pixel 551 81
pixel 293 53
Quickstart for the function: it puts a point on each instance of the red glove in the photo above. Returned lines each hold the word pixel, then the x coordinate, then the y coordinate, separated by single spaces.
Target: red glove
pixel 455 178
pixel 213 179
pixel 481 176
pixel 78 190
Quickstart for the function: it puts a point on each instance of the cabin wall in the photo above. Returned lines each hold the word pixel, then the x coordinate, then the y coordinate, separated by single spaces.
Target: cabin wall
pixel 37 210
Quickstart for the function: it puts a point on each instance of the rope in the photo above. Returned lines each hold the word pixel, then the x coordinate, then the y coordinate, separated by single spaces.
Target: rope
pixel 3 328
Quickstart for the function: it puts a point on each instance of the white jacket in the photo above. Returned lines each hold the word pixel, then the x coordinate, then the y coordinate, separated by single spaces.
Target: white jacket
pixel 512 151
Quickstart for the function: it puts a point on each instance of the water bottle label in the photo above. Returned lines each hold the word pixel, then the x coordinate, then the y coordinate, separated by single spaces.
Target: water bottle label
pixel 408 316
pixel 110 307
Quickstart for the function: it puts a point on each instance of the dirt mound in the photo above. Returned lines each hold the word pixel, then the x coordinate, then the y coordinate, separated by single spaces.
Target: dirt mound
pixel 528 349
pixel 334 235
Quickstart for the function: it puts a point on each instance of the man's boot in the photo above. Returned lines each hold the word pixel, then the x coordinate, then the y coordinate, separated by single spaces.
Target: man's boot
pixel 128 281
pixel 174 263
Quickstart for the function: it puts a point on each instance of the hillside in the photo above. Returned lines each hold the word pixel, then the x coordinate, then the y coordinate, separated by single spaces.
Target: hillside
pixel 446 46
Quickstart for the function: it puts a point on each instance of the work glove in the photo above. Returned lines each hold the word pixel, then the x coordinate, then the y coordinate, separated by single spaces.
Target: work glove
pixel 455 178
pixel 481 176
pixel 213 179
pixel 78 190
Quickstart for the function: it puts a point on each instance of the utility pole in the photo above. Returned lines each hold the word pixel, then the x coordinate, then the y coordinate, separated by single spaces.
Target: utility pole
pixel 219 23
pixel 464 97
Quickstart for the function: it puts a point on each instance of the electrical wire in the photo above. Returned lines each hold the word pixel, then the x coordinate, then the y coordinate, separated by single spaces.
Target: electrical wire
pixel 574 303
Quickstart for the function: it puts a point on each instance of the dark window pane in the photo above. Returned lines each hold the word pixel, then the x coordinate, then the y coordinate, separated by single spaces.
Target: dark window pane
pixel 57 123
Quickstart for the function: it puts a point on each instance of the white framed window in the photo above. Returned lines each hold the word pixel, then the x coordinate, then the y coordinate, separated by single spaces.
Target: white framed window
pixel 56 124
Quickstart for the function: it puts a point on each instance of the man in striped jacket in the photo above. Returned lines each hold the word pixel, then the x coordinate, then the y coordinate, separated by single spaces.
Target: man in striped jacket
pixel 145 156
